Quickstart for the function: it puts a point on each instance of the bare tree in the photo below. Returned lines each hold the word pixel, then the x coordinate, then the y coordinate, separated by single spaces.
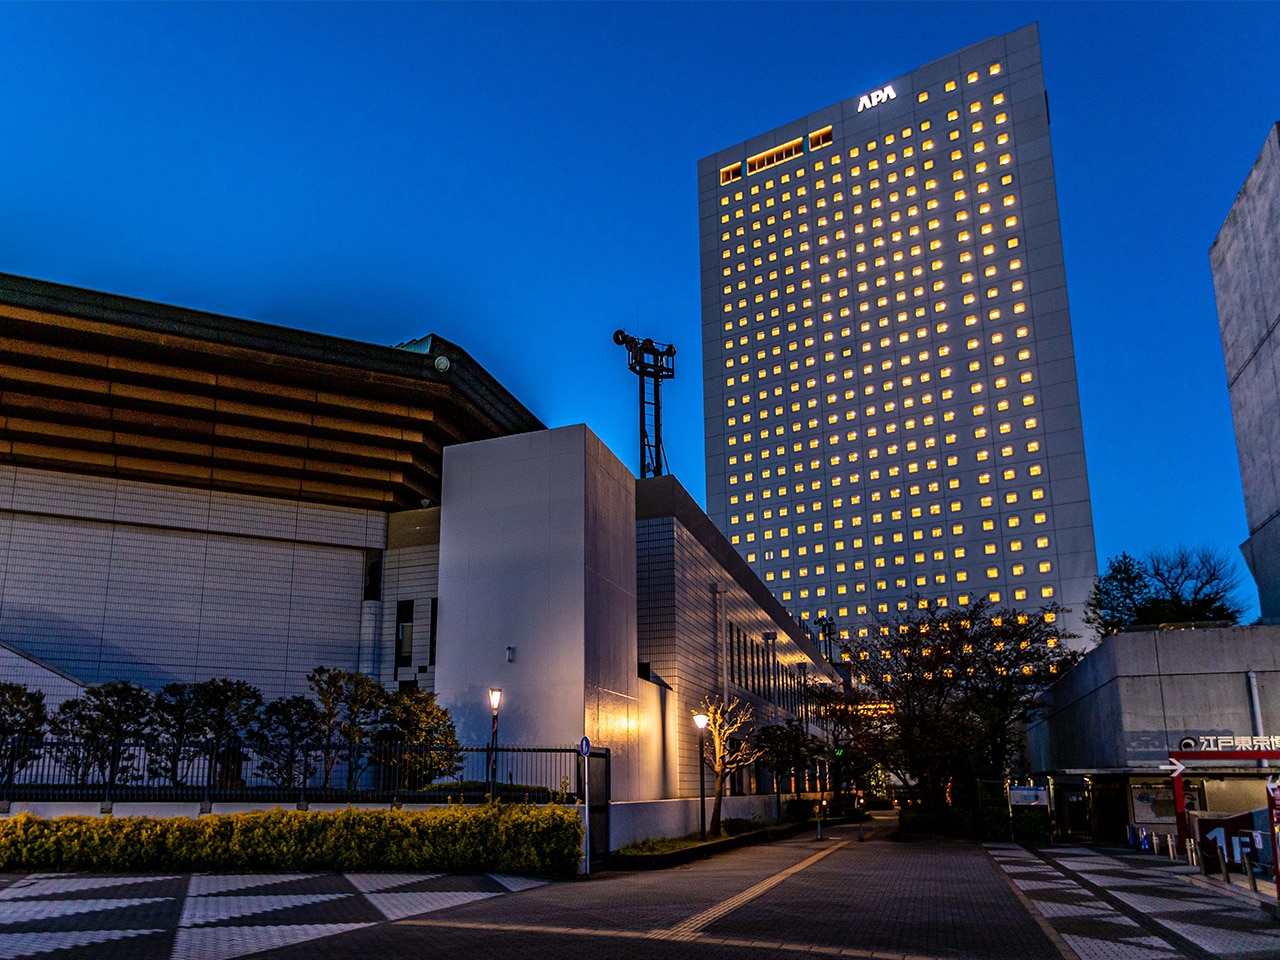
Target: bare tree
pixel 728 747
pixel 1191 584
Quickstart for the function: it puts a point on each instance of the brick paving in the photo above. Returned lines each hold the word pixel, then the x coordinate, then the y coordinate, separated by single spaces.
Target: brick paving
pixel 930 899
pixel 836 897
pixel 205 917
pixel 1117 905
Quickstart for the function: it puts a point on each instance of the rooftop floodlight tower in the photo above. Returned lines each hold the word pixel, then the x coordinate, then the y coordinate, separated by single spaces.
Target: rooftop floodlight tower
pixel 652 363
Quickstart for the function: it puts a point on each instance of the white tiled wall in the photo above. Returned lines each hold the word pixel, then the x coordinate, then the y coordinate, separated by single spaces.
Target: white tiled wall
pixel 107 579
pixel 410 573
pixel 15 668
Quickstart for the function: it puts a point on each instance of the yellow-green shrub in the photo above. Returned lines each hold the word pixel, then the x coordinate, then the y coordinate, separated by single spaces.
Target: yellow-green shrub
pixel 520 839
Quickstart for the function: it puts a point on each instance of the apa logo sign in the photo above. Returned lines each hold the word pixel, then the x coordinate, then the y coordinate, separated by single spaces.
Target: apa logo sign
pixel 876 97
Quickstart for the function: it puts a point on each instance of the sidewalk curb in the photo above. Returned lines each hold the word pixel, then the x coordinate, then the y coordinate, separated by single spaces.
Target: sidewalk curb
pixel 1263 902
pixel 701 851
pixel 1029 905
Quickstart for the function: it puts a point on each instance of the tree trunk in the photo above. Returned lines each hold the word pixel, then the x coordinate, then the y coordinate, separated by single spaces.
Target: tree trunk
pixel 714 829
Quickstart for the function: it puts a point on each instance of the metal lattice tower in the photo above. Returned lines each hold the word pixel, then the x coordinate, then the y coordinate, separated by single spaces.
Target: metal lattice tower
pixel 652 363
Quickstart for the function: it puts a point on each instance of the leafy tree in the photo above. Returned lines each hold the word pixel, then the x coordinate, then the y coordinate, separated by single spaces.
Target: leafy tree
pixel 787 748
pixel 1002 676
pixel 911 665
pixel 849 715
pixel 349 707
pixel 283 738
pixel 229 709
pixel 1182 585
pixel 1118 594
pixel 94 729
pixel 70 727
pixel 22 711
pixel 176 731
pixel 727 746
pixel 414 719
pixel 22 719
pixel 954 687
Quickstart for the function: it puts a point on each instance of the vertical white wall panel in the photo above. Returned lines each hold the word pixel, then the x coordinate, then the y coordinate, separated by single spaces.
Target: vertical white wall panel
pixel 537 536
pixel 54 603
pixel 107 579
pixel 151 628
pixel 324 610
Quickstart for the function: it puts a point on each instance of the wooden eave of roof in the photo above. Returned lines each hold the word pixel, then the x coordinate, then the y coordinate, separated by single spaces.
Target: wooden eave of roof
pixel 181 397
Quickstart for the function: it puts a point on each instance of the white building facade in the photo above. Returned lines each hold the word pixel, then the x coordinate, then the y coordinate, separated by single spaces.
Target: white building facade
pixel 891 408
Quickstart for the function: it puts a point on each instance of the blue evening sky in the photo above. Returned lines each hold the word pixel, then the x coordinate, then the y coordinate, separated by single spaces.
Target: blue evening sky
pixel 520 179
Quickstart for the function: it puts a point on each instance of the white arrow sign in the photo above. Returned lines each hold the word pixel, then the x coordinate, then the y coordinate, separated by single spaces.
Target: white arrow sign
pixel 1175 767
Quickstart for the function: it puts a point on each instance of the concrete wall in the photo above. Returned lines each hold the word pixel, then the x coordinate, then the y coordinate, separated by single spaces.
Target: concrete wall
pixel 1135 697
pixel 1245 258
pixel 703 616
pixel 537 556
pixel 114 579
pixel 629 822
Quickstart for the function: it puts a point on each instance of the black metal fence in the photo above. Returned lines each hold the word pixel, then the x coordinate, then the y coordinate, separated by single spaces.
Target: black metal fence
pixel 367 772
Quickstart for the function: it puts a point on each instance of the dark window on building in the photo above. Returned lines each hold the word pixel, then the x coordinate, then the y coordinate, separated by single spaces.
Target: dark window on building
pixel 373 575
pixel 733 653
pixel 404 633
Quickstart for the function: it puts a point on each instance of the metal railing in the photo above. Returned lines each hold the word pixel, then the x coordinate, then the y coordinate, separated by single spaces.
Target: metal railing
pixel 235 771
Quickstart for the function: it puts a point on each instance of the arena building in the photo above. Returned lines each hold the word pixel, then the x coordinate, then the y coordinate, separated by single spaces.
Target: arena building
pixel 186 496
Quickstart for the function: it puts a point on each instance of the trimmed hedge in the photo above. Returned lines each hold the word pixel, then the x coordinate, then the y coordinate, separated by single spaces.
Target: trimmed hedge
pixel 494 837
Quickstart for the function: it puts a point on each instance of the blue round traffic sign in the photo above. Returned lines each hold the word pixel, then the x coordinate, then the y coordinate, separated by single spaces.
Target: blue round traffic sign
pixel 584 747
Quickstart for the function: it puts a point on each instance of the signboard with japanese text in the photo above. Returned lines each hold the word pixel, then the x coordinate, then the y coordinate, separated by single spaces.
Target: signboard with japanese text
pixel 1236 742
pixel 1029 796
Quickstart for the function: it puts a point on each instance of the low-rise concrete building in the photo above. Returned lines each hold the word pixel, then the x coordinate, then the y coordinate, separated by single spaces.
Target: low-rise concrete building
pixel 607 607
pixel 1111 723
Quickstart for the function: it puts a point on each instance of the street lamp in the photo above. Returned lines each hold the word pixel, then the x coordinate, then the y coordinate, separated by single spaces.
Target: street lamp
pixel 495 700
pixel 700 721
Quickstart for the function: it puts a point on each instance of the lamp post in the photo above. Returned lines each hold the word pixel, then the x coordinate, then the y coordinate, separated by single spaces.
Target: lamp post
pixel 495 700
pixel 700 721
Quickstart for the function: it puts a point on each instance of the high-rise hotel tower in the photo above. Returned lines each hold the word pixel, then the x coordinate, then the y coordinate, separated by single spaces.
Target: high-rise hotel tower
pixel 891 404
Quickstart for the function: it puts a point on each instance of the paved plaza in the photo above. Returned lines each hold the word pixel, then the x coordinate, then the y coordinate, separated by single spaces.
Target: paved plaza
pixel 832 897
pixel 1118 905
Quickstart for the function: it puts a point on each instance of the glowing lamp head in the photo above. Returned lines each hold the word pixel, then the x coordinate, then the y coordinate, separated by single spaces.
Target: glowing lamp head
pixel 700 720
pixel 495 698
